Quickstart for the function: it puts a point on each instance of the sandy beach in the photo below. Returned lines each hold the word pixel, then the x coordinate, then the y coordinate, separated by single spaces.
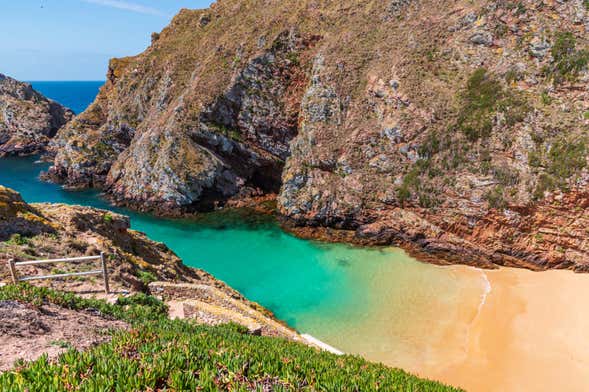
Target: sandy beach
pixel 531 335
pixel 500 330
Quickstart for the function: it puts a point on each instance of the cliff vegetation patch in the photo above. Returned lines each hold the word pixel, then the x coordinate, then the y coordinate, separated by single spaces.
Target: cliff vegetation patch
pixel 557 161
pixel 567 61
pixel 484 97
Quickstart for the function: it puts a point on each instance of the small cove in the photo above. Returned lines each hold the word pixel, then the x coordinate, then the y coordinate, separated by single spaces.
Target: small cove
pixel 482 330
pixel 295 278
pixel 350 297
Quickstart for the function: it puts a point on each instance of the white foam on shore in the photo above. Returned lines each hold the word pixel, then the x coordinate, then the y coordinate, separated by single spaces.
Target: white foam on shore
pixel 485 295
pixel 487 288
pixel 321 345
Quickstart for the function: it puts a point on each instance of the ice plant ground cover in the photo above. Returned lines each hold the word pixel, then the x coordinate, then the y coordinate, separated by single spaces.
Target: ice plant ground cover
pixel 162 354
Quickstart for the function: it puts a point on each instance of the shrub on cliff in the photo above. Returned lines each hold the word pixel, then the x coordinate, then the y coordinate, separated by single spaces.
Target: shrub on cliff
pixel 484 97
pixel 564 160
pixel 567 60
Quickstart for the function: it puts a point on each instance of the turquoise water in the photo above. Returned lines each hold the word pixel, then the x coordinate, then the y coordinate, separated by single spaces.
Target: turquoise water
pixel 377 302
pixel 290 276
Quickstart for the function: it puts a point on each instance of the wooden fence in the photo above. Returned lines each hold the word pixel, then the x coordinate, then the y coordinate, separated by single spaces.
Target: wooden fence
pixel 103 271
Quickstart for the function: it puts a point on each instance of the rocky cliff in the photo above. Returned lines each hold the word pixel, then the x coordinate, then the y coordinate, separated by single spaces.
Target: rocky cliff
pixel 456 128
pixel 28 120
pixel 135 264
pixel 45 231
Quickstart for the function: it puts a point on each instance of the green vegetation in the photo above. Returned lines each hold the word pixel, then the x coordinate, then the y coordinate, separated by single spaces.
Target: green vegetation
pixel 565 159
pixel 294 58
pixel 18 239
pixel 534 159
pixel 410 181
pixel 496 198
pixel 161 354
pixel 62 344
pixel 513 75
pixel 484 101
pixel 146 277
pixel 179 356
pixel 501 30
pixel 141 306
pixel 107 218
pixel 483 97
pixel 428 196
pixel 426 192
pixel 231 133
pixel 518 6
pixel 430 147
pixel 546 99
pixel 567 60
pixel 505 175
pixel 134 309
pixel 521 9
pixel 545 183
pixel 480 99
pixel 103 149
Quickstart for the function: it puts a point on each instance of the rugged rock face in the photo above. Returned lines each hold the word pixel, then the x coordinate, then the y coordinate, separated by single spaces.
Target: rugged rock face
pixel 135 264
pixel 172 130
pixel 38 231
pixel 28 120
pixel 458 128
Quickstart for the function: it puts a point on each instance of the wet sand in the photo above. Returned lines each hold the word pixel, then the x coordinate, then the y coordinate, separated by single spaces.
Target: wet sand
pixel 531 335
pixel 502 330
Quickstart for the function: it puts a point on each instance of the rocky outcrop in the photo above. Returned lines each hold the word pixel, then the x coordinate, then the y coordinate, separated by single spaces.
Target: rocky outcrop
pixel 455 147
pixel 28 120
pixel 34 231
pixel 135 264
pixel 163 136
pixel 458 129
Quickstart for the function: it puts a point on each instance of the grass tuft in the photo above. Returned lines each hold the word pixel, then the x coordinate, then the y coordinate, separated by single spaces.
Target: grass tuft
pixel 567 60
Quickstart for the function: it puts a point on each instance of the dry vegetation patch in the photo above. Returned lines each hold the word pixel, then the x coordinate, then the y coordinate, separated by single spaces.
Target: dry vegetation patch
pixel 28 331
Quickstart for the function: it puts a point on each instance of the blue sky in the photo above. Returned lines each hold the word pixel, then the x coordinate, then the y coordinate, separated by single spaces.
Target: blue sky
pixel 74 39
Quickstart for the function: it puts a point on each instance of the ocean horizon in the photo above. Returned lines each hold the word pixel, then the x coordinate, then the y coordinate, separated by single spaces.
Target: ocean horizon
pixel 76 95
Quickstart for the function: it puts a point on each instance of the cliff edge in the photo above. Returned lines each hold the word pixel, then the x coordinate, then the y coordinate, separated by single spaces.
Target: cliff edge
pixel 458 129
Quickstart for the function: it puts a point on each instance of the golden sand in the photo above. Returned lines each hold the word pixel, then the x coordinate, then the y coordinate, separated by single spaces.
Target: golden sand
pixel 531 335
pixel 503 330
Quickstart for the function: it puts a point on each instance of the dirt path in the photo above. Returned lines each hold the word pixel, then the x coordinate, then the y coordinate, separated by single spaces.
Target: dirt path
pixel 27 332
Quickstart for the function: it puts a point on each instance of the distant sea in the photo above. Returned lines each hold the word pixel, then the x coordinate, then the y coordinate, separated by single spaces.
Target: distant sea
pixel 75 95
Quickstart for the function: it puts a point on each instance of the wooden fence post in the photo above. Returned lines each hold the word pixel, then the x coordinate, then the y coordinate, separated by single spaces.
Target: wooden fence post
pixel 104 273
pixel 12 271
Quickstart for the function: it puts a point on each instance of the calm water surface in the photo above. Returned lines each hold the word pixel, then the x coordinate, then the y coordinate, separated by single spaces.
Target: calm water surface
pixel 74 95
pixel 297 279
pixel 377 302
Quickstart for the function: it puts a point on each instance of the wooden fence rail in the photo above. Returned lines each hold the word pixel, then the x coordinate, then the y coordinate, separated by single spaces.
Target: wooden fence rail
pixel 103 271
